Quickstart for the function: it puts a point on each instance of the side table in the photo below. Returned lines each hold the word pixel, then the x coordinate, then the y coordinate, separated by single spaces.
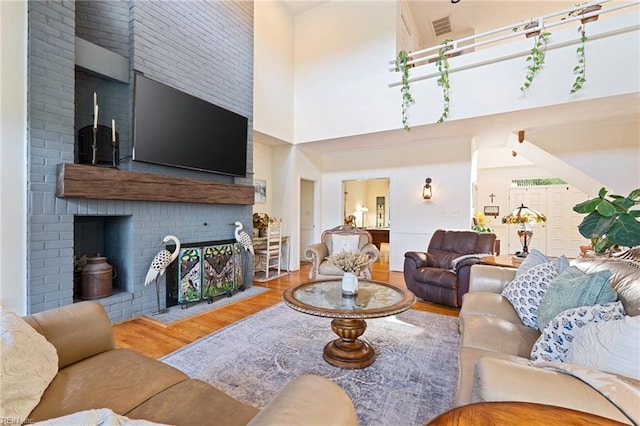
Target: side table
pixel 503 260
pixel 511 413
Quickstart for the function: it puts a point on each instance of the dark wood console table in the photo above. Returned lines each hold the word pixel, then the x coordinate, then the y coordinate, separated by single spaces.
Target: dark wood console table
pixel 379 236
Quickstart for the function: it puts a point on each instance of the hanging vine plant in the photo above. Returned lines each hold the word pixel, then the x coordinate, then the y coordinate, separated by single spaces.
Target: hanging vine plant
pixel 580 70
pixel 407 99
pixel 442 64
pixel 536 58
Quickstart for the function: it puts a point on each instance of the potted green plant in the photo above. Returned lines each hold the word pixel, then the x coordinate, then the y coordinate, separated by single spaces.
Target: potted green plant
pixel 442 64
pixel 536 58
pixel 407 99
pixel 525 27
pixel 585 11
pixel 480 223
pixel 611 220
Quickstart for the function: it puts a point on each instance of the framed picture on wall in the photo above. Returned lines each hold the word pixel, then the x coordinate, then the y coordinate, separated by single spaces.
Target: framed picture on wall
pixel 260 190
pixel 492 211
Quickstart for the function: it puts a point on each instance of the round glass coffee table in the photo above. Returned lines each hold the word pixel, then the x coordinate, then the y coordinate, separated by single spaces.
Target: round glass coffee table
pixel 324 299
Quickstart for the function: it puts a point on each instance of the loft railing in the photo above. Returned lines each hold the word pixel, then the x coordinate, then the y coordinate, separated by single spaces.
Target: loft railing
pixel 426 56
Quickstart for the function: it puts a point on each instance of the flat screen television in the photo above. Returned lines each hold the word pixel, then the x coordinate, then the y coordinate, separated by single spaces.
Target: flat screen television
pixel 176 129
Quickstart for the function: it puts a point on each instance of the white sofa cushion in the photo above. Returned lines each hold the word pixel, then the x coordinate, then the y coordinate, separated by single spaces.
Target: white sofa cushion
pixel 611 346
pixel 28 363
pixel 557 336
pixel 348 243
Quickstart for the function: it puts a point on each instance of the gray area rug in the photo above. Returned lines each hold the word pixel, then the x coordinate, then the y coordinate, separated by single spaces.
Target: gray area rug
pixel 176 313
pixel 412 380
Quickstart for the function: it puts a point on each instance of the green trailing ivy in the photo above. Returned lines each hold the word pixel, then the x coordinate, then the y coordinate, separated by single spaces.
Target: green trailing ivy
pixel 580 69
pixel 536 58
pixel 407 99
pixel 442 64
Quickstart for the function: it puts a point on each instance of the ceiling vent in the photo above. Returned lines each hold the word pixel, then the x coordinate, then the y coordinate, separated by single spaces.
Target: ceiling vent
pixel 442 26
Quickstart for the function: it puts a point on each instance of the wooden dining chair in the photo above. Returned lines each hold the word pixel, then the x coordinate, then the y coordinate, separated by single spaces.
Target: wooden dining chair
pixel 269 257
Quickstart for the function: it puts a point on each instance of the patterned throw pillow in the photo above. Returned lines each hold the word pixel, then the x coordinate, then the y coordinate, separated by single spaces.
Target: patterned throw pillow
pixel 556 338
pixel 574 288
pixel 536 257
pixel 526 291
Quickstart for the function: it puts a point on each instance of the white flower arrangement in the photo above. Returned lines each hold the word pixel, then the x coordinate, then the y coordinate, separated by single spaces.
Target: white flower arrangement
pixel 352 262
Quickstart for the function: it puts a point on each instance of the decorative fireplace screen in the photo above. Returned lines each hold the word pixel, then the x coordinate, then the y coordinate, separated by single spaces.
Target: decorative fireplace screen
pixel 203 271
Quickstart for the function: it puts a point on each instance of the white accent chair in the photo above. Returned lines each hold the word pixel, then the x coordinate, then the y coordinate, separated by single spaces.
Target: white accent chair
pixel 340 238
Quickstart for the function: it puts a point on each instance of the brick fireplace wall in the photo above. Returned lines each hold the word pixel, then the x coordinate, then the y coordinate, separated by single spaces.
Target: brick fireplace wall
pixel 202 48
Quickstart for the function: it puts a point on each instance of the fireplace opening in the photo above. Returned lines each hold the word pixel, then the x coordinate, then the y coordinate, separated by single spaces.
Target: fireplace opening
pixel 96 238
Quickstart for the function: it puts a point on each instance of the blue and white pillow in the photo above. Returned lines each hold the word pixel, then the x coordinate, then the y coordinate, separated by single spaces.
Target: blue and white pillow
pixel 556 338
pixel 526 291
pixel 536 257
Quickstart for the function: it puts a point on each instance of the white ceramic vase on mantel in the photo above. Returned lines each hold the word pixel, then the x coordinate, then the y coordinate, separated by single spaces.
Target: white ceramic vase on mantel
pixel 349 284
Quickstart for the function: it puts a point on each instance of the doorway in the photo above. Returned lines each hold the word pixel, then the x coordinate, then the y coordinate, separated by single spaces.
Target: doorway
pixel 307 217
pixel 366 202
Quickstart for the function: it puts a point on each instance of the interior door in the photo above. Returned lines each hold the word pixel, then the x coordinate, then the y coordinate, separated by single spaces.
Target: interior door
pixel 562 222
pixel 306 215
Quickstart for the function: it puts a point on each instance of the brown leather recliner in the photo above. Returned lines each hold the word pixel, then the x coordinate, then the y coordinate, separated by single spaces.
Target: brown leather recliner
pixel 441 275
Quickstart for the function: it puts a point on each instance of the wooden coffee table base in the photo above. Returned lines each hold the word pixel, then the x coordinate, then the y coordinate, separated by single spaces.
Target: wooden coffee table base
pixel 348 351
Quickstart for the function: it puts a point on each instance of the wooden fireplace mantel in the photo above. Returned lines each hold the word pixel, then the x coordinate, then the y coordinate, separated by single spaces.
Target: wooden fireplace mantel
pixel 83 181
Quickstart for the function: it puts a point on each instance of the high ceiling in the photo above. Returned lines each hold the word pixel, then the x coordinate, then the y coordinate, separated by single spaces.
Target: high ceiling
pixel 478 16
pixel 467 16
pixel 475 17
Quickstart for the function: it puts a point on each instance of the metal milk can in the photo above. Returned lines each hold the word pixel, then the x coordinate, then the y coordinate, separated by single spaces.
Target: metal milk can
pixel 97 278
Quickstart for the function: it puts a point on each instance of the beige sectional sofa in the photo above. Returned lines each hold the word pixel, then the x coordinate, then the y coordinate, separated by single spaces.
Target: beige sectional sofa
pixel 93 374
pixel 496 346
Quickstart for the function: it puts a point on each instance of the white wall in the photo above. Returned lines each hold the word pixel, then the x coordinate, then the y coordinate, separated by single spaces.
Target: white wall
pixel 341 50
pixel 262 169
pixel 273 70
pixel 341 75
pixel 293 165
pixel 13 156
pixel 608 152
pixel 412 219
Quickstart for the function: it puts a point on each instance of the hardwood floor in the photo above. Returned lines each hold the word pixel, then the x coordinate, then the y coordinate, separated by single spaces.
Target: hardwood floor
pixel 155 339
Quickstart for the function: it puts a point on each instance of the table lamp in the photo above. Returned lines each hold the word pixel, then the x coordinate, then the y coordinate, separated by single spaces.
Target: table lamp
pixel 523 216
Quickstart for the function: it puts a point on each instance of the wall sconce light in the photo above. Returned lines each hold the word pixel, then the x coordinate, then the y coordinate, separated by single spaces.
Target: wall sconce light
pixel 426 189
